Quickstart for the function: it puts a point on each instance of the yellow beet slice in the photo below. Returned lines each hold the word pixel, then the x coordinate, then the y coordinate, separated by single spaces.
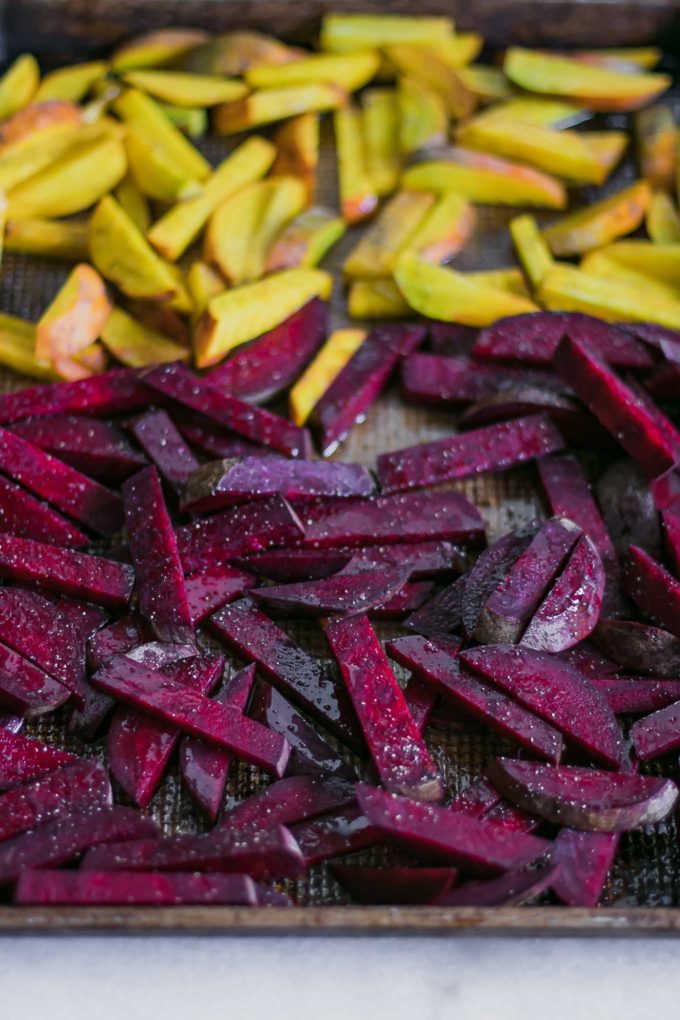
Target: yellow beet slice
pixel 607 147
pixel 36 118
pixel 377 250
pixel 445 294
pixel 598 88
pixel 142 114
pixel 286 198
pixel 487 84
pixel 661 261
pixel 444 230
pixel 423 120
pixel 59 239
pixel 321 372
pixel 74 318
pixel 358 199
pixel 156 175
pixel 380 128
pixel 179 227
pixel 204 283
pixel 184 89
pixel 137 345
pixel 192 120
pixel 17 349
pixel 350 71
pixel 233 53
pixel 663 220
pixel 634 57
pixel 70 83
pixel 31 154
pixel 306 239
pixel 135 204
pixel 241 314
pixel 598 263
pixel 486 179
pixel 122 255
pixel 598 224
pixel 18 85
pixel 346 33
pixel 423 65
pixel 297 150
pixel 657 143
pixel 458 49
pixel 569 289
pixel 532 250
pixel 89 361
pixel 154 49
pixel 548 113
pixel 376 299
pixel 511 281
pixel 270 105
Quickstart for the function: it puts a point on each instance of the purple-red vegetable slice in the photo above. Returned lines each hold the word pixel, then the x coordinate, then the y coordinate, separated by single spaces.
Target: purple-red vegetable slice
pixel 404 885
pixel 120 636
pixel 397 749
pixel 556 692
pixel 85 618
pixel 335 834
pixel 639 648
pixel 507 890
pixel 23 759
pixel 492 448
pixel 213 441
pixel 113 392
pixel 291 800
pixel 209 589
pixel 630 695
pixel 490 569
pixel 587 659
pixel 121 888
pixel 666 489
pixel 23 515
pixel 71 787
pixel 653 589
pixel 656 734
pixel 477 799
pixel 95 447
pixel 355 589
pixel 524 399
pixel 27 689
pixel 583 860
pixel 437 379
pixel 405 602
pixel 11 723
pixel 451 337
pixel 671 534
pixel 442 614
pixel 160 439
pixel 628 508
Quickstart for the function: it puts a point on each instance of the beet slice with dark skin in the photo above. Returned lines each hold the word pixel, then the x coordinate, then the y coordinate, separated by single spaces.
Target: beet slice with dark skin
pixel 492 448
pixel 616 407
pixel 97 448
pixel 587 799
pixel 233 533
pixel 71 787
pixel 583 860
pixel 37 564
pixel 178 383
pixel 664 423
pixel 436 379
pixel 509 890
pixel 23 515
pixel 23 759
pixel 653 588
pixel 192 712
pixel 406 601
pixel 359 384
pixel 438 665
pixel 160 439
pixel 311 753
pixel 491 568
pixel 525 399
pixel 291 800
pixel 27 689
pixel 629 695
pixel 510 607
pixel 210 589
pixel 228 482
pixel 442 614
pixel 78 496
pixel 534 338
pixel 657 734
pixel 671 536
pixel 213 441
pixel 556 692
pixel 266 367
pixel 205 768
pixel 290 565
pixel 398 752
pixel 451 338
pixel 57 842
pixel 474 845
pixel 299 676
pixel 399 885
pixel 120 888
pixel 425 559
pixel 628 508
pixel 114 392
pixel 335 834
pixel 355 589
pixel 639 648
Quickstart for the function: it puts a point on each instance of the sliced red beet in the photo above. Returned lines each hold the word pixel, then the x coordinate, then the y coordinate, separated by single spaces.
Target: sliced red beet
pixel 113 392
pixel 270 897
pixel 509 608
pixel 425 559
pixel 299 676
pixel 160 439
pixel 104 582
pixel 421 700
pixel 451 337
pixel 628 508
pixel 629 695
pixel 192 712
pixel 289 565
pixel 491 568
pixel 442 614
pixel 355 589
pixel 120 636
pixel 210 589
pixel 586 658
pixel 361 381
pixel 438 665
pixel 587 799
pixel 556 692
pixel 508 890
pixel 213 441
pixel 656 734
pixel 58 841
pixel 525 399
pixel 616 407
pixel 492 448
pixel 671 535
pixel 400 756
pixel 178 383
pixel 436 379
pixel 23 515
pixel 476 846
pixel 512 817
pixel 205 768
pixel 335 834
pixel 95 447
pixel 653 589
pixel 23 759
pixel 83 499
pixel 583 860
pixel 27 689
pixel 406 602
pixel 111 888
pixel 535 337
pixel 666 489
pixel 290 800
pixel 85 618
pixel 71 787
pixel 267 366
pixel 477 799
pixel 639 648
pixel 236 532
pixel 227 482
pixel 311 753
pixel 400 885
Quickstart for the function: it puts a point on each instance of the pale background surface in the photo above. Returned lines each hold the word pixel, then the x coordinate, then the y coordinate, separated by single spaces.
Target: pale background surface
pixel 102 978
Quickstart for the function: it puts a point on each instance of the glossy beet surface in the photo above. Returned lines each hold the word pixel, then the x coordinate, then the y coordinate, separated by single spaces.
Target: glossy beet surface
pixel 629 695
pixel 583 860
pixel 113 392
pixel 425 559
pixel 97 448
pixel 23 515
pixel 437 379
pixel 442 614
pixel 657 734
pixel 211 588
pixel 118 888
pixel 26 688
pixel 508 890
pixel 335 834
pixel 628 507
pixel 357 588
pixel 23 759
pixel 160 439
pixel 492 566
pixel 653 589
pixel 69 787
pixel 639 648
pixel 291 800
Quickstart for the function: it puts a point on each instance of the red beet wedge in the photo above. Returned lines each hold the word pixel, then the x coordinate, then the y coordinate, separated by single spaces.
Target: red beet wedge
pixel 425 559
pixel 210 589
pixel 404 603
pixel 114 392
pixel 657 734
pixel 23 515
pixel 158 436
pixel 357 588
pixel 436 379
pixel 70 787
pixel 335 834
pixel 489 571
pixel 398 885
pixel 639 648
pixel 291 800
pixel 442 614
pixel 629 695
pixel 508 890
pixel 583 860
pixel 26 688
pixel 653 588
pixel 97 448
pixel 214 441
pixel 23 759
pixel 121 888
pixel 628 508
pixel 671 534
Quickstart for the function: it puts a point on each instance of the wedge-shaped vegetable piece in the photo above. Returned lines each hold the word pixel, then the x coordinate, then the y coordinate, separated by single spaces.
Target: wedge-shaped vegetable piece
pixel 70 83
pixel 400 756
pixel 612 298
pixel 270 105
pixel 143 116
pixel 185 89
pixel 662 220
pixel 297 150
pixel 234 52
pixel 23 515
pixel 540 110
pixel 655 260
pixel 136 345
pixel 628 507
pixel 17 349
pixel 37 150
pixel 508 890
pixel 587 799
pixel 380 129
pixel 376 299
pixel 597 88
pixel 422 116
pixel 121 636
pixel 583 860
pixel 531 248
pixel 361 381
pixel 95 447
pixel 11 723
pixel 71 787
pixel 291 800
pixel 628 58
pixel 630 695
pixel 436 663
pixel 444 229
pixel 442 293
pixel 18 85
pixel 639 648
pixel 210 589
pixel 450 379
pixel 377 251
pixel 133 202
pixel 305 241
pixel 616 406
pixel 489 571
pixel 656 146
pixel 335 834
pixel 358 199
pixel 411 597
pixel 247 312
pixel 179 384
pixel 347 33
pixel 486 83
pixel 126 888
pixel 340 347
pixel 350 72
pixel 154 171
pixel 485 179
pixel 568 494
pixel 157 48
pixel 657 734
pixel 424 65
pixel 671 535
pixel 598 224
pixel 441 615
pixel 397 885
pixel 109 393
pixel 75 318
pixel 556 692
pixel 157 435
pixel 26 688
pixel 357 588
pixel 492 448
pixel 666 489
pixel 575 425
pixel 214 441
pixel 253 635
pixel 23 759
pixel 48 238
pixel 653 588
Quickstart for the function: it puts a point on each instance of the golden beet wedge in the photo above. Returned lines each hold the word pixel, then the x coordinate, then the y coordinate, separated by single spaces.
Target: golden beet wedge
pixel 459 49
pixel 358 199
pixel 233 53
pixel 156 49
pixel 511 280
pixel 155 173
pixel 657 144
pixel 70 83
pixel 423 120
pixel 350 71
pixel 347 33
pixel 271 105
pixel 376 299
pixel 192 120
pixel 75 317
pixel 306 239
pixel 598 224
pixel 423 65
pixel 377 250
pixel 320 373
pixel 36 118
pixel 33 153
pixel 532 250
pixel 58 239
pixel 540 111
pixel 663 219
pixel 135 204
pixel 297 150
pixel 566 288
pixel 204 284
pixel 380 126
pixel 632 58
pixel 444 230
pixel 183 89
pixel 137 345
pixel 660 261
pixel 486 179
pixel 487 84
pixel 241 314
pixel 607 148
pixel 17 349
pixel 142 114
pixel 89 361
pixel 445 294
pixel 598 263
pixel 18 85
pixel 179 227
pixel 598 88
